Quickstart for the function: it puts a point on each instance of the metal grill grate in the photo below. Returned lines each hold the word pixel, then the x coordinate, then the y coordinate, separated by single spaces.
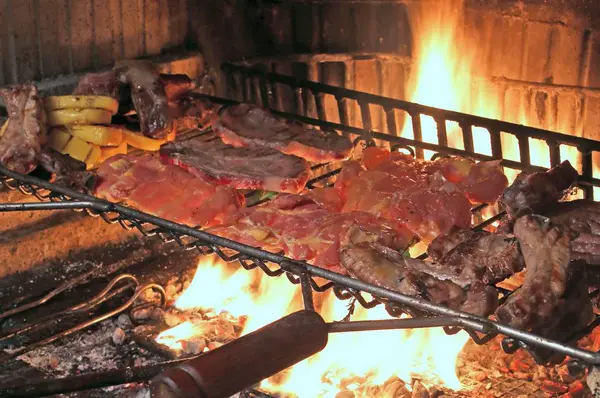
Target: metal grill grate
pixel 426 314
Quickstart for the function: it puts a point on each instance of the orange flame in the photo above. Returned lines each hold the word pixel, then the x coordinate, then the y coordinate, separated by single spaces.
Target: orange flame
pixel 375 356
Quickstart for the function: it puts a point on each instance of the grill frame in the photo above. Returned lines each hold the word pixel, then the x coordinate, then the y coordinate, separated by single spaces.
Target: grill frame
pixel 480 329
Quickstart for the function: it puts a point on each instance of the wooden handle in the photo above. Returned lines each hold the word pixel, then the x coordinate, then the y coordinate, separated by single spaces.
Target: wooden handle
pixel 246 361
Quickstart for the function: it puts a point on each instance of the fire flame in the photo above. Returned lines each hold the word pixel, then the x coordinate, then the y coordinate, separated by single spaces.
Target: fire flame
pixel 375 357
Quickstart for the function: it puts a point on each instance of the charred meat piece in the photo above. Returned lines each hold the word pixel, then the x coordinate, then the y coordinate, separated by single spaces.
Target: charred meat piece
pixel 241 168
pixel 477 255
pixel 368 263
pixel 21 143
pixel 545 248
pixel 165 191
pixel 67 171
pixel 246 125
pixel 581 218
pixel 195 110
pixel 148 96
pixel 537 192
pixel 104 83
pixel 308 227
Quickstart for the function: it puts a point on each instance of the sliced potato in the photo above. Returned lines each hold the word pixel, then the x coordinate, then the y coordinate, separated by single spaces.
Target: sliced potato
pixel 99 135
pixel 140 141
pixel 58 139
pixel 77 149
pixel 93 158
pixel 108 152
pixel 78 116
pixel 54 103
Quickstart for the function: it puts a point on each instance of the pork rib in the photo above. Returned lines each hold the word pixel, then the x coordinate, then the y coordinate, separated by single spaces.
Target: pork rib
pixel 21 143
pixel 103 83
pixel 241 168
pixel 537 192
pixel 369 263
pixel 165 191
pixel 252 126
pixel 545 249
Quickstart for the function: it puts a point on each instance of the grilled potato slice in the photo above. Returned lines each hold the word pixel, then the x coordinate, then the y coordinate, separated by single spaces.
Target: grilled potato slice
pixel 58 139
pixel 54 103
pixel 93 158
pixel 3 128
pixel 99 135
pixel 140 141
pixel 77 149
pixel 108 152
pixel 78 116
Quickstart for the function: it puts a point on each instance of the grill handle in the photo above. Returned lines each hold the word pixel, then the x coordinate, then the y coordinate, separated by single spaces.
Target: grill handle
pixel 246 361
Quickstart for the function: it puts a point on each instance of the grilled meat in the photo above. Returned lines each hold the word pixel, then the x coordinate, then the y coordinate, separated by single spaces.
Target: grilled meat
pixel 21 143
pixel 477 255
pixel 428 197
pixel 196 110
pixel 241 168
pixel 537 192
pixel 66 170
pixel 104 83
pixel 545 249
pixel 148 96
pixel 308 227
pixel 581 218
pixel 368 263
pixel 165 191
pixel 246 125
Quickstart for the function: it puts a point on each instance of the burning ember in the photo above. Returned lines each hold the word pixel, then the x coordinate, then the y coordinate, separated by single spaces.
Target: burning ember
pixel 350 360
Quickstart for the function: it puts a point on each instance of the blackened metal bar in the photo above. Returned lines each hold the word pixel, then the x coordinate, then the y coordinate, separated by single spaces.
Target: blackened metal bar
pixel 258 92
pixel 239 87
pixel 89 381
pixel 417 133
pixel 247 88
pixel 587 171
pixel 365 114
pixel 319 103
pixel 496 143
pixel 467 132
pixel 390 119
pixel 524 149
pixel 343 110
pixel 307 293
pixel 391 324
pixel 70 205
pixel 441 131
pixel 413 108
pixel 554 149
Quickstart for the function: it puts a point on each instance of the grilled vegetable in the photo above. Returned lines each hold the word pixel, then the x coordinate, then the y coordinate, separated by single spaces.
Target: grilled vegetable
pixel 77 149
pixel 99 135
pixel 3 128
pixel 81 102
pixel 108 152
pixel 139 141
pixel 58 139
pixel 93 159
pixel 78 116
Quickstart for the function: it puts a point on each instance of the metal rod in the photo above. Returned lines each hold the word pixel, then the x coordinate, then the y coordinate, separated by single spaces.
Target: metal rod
pixel 69 205
pixel 391 324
